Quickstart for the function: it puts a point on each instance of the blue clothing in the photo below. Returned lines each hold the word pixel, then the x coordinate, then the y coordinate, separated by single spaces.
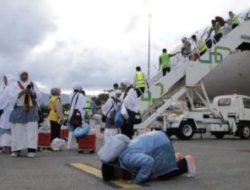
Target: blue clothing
pixel 149 156
pixel 20 114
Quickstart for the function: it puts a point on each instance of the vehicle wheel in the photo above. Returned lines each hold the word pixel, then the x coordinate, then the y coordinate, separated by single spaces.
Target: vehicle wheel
pixel 186 131
pixel 244 132
pixel 218 135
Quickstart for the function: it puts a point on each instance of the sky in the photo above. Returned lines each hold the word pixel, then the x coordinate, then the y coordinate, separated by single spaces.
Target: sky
pixel 96 42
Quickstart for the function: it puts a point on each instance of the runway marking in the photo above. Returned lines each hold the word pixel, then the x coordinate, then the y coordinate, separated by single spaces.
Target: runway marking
pixel 97 173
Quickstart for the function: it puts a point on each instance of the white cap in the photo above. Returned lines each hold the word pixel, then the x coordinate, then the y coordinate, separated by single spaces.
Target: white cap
pixel 77 86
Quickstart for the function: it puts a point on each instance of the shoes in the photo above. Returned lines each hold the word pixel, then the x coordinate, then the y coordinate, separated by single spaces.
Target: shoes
pixel 31 154
pixel 191 166
pixel 178 156
pixel 15 154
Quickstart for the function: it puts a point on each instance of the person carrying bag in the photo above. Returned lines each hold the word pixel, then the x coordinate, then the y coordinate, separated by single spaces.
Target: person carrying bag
pixel 76 118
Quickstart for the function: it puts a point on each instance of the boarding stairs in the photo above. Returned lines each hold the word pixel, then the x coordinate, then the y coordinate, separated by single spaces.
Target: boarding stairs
pixel 189 74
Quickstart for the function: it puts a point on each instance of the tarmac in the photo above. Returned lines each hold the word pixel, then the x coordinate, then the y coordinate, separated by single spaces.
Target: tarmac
pixel 221 164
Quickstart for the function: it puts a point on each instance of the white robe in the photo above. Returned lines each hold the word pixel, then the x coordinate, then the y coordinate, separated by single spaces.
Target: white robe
pixel 24 135
pixel 6 104
pixel 130 102
pixel 80 105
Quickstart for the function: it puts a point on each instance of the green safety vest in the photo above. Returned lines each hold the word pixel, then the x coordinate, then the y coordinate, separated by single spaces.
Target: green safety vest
pixel 202 46
pixel 139 80
pixel 217 28
pixel 165 60
pixel 88 106
pixel 235 19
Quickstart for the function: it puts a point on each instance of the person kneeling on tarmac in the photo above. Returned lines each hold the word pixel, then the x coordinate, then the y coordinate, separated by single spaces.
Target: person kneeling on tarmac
pixel 149 156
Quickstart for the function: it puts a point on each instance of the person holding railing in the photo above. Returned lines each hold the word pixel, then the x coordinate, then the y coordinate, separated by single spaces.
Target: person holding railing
pixel 200 47
pixel 216 27
pixel 234 19
pixel 140 82
pixel 164 61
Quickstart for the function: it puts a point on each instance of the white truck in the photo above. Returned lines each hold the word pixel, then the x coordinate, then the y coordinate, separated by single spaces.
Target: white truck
pixel 228 114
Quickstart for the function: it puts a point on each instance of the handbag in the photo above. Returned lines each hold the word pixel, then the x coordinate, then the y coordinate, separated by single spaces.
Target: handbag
pixel 134 117
pixel 76 118
pixel 104 117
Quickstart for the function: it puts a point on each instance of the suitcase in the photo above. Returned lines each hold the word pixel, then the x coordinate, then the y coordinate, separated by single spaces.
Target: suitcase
pixel 87 143
pixel 44 140
pixel 64 133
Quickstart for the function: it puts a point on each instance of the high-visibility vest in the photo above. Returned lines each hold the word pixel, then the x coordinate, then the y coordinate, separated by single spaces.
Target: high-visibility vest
pixel 53 116
pixel 88 106
pixel 139 80
pixel 165 60
pixel 202 46
pixel 235 19
pixel 217 28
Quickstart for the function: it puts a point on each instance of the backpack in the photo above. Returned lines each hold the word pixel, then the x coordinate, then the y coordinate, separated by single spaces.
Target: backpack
pixel 76 118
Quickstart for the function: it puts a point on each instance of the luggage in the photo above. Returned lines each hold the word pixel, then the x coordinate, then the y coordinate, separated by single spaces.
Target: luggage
pixel 44 140
pixel 87 143
pixel 64 133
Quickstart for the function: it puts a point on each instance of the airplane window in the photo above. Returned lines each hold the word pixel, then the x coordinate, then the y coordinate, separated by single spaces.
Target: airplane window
pixel 224 102
pixel 246 103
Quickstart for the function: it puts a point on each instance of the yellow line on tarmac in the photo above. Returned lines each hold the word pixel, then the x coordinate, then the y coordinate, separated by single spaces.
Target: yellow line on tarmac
pixel 97 173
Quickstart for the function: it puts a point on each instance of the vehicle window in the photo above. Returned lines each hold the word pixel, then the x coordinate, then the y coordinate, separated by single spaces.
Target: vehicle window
pixel 246 103
pixel 224 102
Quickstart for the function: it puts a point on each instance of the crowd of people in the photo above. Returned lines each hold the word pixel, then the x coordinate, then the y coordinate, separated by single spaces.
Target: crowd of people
pixel 20 113
pixel 196 46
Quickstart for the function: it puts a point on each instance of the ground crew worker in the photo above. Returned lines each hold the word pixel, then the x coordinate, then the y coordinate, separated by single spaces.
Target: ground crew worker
pixel 234 19
pixel 89 111
pixel 164 61
pixel 56 113
pixel 200 45
pixel 216 27
pixel 140 82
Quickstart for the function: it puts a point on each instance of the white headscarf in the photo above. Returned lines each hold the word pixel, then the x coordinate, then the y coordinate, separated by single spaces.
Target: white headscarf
pixel 8 94
pixel 26 83
pixel 10 79
pixel 77 86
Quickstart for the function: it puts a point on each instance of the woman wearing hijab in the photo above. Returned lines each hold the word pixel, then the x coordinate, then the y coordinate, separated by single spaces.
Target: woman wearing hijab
pixel 129 102
pixel 24 117
pixel 109 109
pixel 78 102
pixel 6 105
pixel 56 113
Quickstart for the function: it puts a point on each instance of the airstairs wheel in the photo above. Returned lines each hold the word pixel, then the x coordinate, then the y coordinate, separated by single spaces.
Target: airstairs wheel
pixel 244 132
pixel 186 130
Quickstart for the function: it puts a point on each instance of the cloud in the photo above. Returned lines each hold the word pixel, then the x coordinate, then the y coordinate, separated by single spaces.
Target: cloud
pixel 95 42
pixel 24 24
